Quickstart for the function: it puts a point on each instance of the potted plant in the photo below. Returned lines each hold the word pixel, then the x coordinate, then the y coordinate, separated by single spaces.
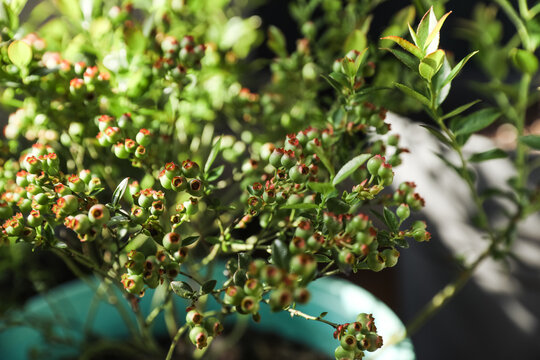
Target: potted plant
pixel 137 155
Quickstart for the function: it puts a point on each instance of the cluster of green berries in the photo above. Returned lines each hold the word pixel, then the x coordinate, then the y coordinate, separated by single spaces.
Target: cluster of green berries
pixel 356 338
pixel 406 196
pixel 202 328
pixel 40 193
pixel 281 287
pixel 185 177
pixel 380 169
pixel 177 57
pixel 115 133
pixel 154 263
pixel 88 81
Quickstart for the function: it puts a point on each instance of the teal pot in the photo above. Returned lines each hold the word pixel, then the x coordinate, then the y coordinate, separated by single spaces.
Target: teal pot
pixel 68 310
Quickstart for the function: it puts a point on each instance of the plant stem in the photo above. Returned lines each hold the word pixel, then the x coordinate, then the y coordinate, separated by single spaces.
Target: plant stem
pixel 447 293
pixel 521 150
pixel 175 341
pixel 295 312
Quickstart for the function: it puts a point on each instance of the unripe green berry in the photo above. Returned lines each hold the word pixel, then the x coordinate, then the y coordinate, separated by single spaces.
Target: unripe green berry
pixel 171 242
pixel 233 295
pixel 198 336
pixel 99 214
pixel 374 164
pixel 194 317
pixel 249 305
pixel 403 211
pixel 253 287
pixel 341 354
pixel 280 299
pixel 348 342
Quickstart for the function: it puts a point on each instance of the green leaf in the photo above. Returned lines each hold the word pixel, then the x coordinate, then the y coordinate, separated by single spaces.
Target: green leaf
pixel 412 93
pixel 401 243
pixel 430 64
pixel 17 6
pixel 276 41
pixel 437 81
pixel 300 206
pixel 189 240
pixel 407 46
pixel 326 162
pixel 336 85
pixel 182 289
pixel 323 314
pixel 434 34
pixel 216 148
pixel 355 41
pixel 350 167
pixel 532 141
pixel 208 286
pixel 137 242
pixel 119 192
pixel 337 206
pixel 321 188
pixel 340 78
pixel 410 61
pixel 424 27
pixel 488 155
pixel 475 121
pixel 413 34
pixel 20 53
pixel 459 110
pixel 215 173
pixel 456 69
pixel 390 220
pixel 320 258
pixel 280 254
pixel 438 134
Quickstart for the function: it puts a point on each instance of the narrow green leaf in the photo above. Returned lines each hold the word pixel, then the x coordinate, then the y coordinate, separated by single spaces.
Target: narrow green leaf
pixel 424 27
pixel 532 141
pixel 320 258
pixel 337 206
pixel 216 148
pixel 182 289
pixel 390 219
pixel 208 286
pixel 340 78
pixel 119 192
pixel 434 34
pixel 475 121
pixel 413 34
pixel 407 46
pixel 488 155
pixel 137 242
pixel 410 61
pixel 350 167
pixel 323 314
pixel 20 53
pixel 215 173
pixel 326 162
pixel 276 41
pixel 438 134
pixel 189 240
pixel 460 109
pixel 456 69
pixel 337 86
pixel 438 79
pixel 300 206
pixel 321 188
pixel 412 93
pixel 280 254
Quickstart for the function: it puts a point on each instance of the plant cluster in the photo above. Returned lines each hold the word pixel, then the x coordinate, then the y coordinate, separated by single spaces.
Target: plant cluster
pixel 133 152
